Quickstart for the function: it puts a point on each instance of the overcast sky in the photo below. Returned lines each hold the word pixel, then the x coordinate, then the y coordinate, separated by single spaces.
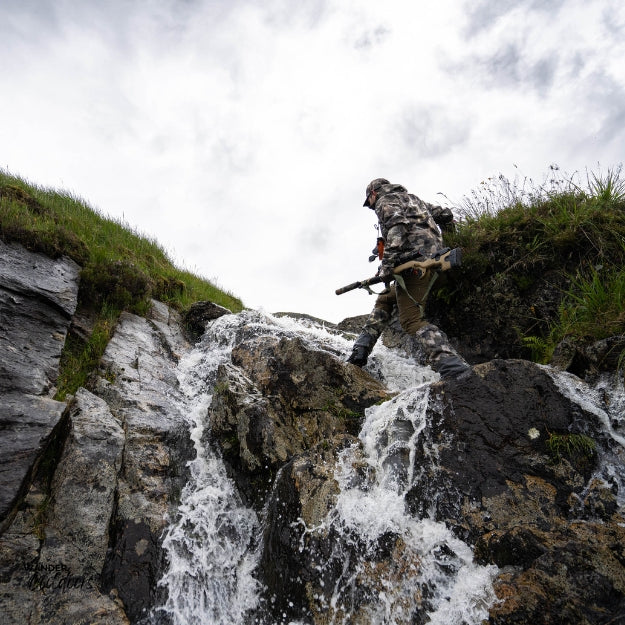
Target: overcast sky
pixel 241 134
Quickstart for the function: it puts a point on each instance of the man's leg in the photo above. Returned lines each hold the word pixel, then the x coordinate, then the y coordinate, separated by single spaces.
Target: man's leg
pixel 373 328
pixel 439 353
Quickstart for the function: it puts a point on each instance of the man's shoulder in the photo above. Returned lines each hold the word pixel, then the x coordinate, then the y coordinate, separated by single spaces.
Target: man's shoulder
pixel 398 197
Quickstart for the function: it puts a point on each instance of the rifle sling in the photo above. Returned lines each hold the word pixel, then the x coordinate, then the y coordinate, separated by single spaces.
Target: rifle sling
pixel 402 284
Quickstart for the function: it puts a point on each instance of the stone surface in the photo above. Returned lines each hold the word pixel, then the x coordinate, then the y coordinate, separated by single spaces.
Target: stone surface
pixel 139 383
pixel 38 296
pixel 57 579
pixel 499 486
pixel 96 483
pixel 27 423
pixel 199 314
pixel 83 488
pixel 279 398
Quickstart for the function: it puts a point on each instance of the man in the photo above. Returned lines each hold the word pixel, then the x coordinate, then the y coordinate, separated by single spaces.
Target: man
pixel 408 226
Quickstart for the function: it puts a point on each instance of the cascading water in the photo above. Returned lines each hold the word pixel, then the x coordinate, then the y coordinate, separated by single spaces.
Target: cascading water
pixel 212 546
pixel 606 400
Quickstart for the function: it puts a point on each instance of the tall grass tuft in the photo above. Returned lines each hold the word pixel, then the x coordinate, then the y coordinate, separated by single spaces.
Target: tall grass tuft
pixel 569 224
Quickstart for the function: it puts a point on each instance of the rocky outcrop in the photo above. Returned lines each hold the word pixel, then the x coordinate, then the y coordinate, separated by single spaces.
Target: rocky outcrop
pixel 38 297
pixel 547 515
pixel 139 384
pixel 511 458
pixel 88 486
pixel 198 315
pixel 520 476
pixel 279 398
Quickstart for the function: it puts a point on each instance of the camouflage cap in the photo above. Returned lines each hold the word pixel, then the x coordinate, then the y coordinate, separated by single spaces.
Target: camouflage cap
pixel 374 185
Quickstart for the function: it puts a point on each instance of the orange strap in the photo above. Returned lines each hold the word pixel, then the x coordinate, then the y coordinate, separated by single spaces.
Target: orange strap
pixel 380 248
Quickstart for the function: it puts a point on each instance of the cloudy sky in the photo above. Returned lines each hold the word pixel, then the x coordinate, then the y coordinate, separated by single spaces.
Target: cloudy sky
pixel 241 133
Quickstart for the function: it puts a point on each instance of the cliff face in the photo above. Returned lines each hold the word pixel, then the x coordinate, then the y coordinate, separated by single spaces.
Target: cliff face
pixel 339 478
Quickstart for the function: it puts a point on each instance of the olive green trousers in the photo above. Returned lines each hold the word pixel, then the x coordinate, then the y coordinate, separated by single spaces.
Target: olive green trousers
pixel 410 301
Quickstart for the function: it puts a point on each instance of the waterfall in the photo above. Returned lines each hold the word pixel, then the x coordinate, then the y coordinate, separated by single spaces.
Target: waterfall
pixel 211 545
pixel 606 400
pixel 432 575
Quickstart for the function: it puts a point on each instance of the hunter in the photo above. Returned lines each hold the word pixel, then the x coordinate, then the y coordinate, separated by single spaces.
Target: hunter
pixel 408 226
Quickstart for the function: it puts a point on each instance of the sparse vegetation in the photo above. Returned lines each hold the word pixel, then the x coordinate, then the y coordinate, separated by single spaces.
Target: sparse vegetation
pixel 578 448
pixel 80 359
pixel 121 269
pixel 572 231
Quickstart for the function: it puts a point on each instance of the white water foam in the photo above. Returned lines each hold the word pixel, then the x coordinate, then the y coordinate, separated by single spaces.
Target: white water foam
pixel 211 544
pixel 432 571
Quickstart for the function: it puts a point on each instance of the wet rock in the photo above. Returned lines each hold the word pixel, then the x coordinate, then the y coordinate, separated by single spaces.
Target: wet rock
pixel 279 398
pixel 586 359
pixel 499 486
pixel 304 492
pixel 198 315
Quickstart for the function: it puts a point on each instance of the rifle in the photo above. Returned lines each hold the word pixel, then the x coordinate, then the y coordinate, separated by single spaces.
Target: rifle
pixel 442 261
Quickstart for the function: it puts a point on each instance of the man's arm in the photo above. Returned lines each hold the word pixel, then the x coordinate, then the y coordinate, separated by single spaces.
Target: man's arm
pixel 442 216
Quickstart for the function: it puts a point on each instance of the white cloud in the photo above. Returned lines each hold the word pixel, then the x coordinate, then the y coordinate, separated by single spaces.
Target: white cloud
pixel 241 135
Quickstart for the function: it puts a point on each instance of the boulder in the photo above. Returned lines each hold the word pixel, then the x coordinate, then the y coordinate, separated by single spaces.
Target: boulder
pixel 38 297
pixel 518 476
pixel 279 398
pixel 198 315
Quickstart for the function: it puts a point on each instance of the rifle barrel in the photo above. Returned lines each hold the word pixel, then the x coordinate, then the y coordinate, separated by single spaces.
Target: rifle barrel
pixel 444 259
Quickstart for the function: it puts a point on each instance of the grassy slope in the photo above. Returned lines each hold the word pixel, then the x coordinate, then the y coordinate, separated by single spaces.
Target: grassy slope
pixel 121 269
pixel 512 234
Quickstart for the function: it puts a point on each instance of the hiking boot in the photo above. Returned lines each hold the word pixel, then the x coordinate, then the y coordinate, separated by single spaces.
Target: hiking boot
pixel 450 367
pixel 362 348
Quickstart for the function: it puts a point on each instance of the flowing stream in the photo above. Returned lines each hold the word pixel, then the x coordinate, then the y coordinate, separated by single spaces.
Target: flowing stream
pixel 212 545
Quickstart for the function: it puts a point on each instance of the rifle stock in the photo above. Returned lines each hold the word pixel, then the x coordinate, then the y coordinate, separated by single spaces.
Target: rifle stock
pixel 442 261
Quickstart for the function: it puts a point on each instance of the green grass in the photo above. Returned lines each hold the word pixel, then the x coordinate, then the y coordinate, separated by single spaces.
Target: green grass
pixel 579 449
pixel 121 268
pixel 521 231
pixel 119 264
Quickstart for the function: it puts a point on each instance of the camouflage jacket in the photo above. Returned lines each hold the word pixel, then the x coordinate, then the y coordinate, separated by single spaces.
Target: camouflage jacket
pixel 408 225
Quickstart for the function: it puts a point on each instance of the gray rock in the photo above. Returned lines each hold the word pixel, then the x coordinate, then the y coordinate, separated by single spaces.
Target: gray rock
pixel 53 280
pixel 138 382
pixel 27 423
pixel 83 488
pixel 38 296
pixel 58 582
